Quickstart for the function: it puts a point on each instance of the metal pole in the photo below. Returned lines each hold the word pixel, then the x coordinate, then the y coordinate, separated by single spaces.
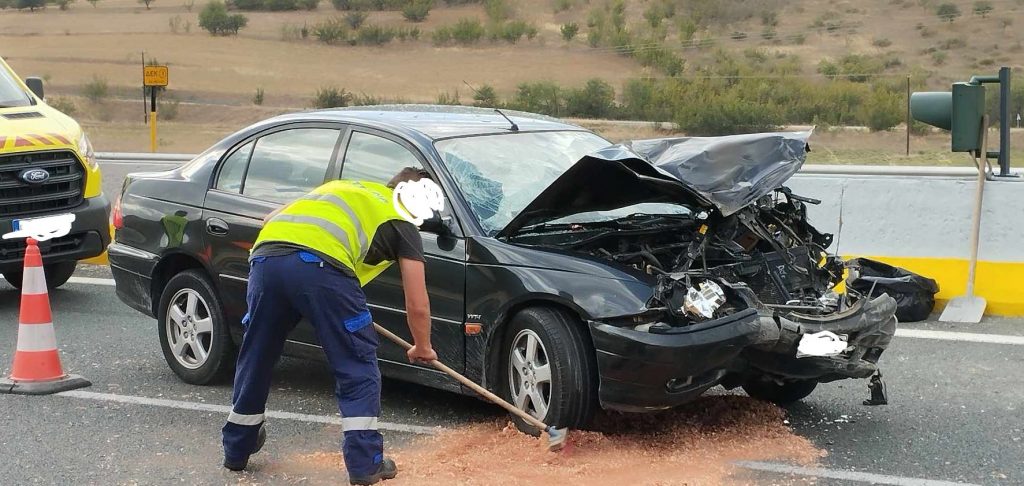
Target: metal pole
pixel 152 119
pixel 144 109
pixel 909 121
pixel 1004 121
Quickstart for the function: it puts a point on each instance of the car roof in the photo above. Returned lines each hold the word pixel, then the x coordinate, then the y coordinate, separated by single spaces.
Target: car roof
pixel 435 121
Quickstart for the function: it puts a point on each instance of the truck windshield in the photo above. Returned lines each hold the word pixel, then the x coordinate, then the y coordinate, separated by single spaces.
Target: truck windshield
pixel 11 92
pixel 500 174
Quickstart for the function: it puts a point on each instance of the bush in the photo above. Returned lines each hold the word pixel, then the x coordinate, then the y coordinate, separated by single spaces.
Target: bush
pixel 768 33
pixel 939 58
pixel 96 90
pixel 883 110
pixel 954 43
pixel 982 8
pixel 280 5
pixel 417 10
pixel 738 35
pixel 562 5
pixel 497 10
pixel 331 97
pixel 331 31
pixel 214 18
pixel 486 97
pixel 356 18
pixel 513 31
pixel 948 12
pixel 63 105
pixel 595 100
pixel 543 97
pixel 168 107
pixel 309 4
pixel 446 98
pixel 569 31
pixel 31 5
pixel 441 36
pixel 375 35
pixel 882 42
pixel 257 98
pixel 467 31
pixel 63 4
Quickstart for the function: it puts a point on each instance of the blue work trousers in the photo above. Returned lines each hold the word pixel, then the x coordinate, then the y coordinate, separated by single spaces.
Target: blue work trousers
pixel 282 290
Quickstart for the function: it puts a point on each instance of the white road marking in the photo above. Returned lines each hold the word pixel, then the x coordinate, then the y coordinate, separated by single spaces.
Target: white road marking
pixel 907 333
pixel 92 281
pixel 857 476
pixel 224 409
pixel 960 336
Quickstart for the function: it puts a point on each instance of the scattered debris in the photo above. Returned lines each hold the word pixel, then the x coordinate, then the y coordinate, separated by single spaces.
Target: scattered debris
pixel 695 444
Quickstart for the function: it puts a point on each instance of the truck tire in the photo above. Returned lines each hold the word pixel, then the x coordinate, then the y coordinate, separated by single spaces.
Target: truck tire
pixel 548 368
pixel 193 333
pixel 786 393
pixel 57 274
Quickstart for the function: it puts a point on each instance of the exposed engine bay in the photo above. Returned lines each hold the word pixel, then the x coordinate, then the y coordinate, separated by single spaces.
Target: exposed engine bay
pixel 730 244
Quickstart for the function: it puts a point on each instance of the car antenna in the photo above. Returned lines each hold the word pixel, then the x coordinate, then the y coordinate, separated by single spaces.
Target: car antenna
pixel 515 128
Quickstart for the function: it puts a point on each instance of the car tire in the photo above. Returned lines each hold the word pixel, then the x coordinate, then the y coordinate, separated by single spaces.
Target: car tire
pixel 57 274
pixel 194 335
pixel 786 393
pixel 570 390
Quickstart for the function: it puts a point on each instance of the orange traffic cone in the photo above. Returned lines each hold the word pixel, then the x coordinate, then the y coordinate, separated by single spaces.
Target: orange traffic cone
pixel 37 369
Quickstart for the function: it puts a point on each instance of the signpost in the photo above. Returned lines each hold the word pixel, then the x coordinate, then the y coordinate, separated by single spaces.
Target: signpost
pixel 153 77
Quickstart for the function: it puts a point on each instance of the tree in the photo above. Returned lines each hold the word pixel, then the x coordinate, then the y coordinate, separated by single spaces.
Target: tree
pixel 146 3
pixel 948 12
pixel 214 19
pixel 93 2
pixel 63 4
pixel 31 5
pixel 982 8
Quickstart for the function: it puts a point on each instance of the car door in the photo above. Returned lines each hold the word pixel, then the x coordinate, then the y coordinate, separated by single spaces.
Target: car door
pixel 257 176
pixel 377 156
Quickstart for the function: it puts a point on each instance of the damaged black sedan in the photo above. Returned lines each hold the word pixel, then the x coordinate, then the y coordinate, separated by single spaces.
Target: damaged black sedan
pixel 566 273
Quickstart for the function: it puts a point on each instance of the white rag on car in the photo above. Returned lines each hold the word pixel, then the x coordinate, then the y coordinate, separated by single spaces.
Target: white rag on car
pixel 824 343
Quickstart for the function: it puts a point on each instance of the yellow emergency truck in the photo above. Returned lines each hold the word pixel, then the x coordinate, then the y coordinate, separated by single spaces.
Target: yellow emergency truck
pixel 47 168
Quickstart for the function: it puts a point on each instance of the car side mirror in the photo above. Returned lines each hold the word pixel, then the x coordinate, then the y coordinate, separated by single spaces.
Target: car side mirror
pixel 437 224
pixel 36 86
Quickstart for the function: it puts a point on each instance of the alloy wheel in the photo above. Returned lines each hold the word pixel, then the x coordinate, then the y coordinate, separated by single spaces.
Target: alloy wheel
pixel 189 328
pixel 529 372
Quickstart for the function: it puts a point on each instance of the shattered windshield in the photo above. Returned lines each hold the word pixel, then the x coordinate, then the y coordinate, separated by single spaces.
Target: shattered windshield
pixel 500 174
pixel 11 93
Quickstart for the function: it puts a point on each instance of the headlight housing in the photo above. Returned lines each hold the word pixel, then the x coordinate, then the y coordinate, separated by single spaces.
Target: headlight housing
pixel 86 151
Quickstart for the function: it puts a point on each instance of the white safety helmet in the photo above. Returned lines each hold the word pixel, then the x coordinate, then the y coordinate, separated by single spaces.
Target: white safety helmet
pixel 416 201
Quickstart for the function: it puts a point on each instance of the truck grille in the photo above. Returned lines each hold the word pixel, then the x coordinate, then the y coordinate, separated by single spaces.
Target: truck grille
pixel 61 191
pixel 15 249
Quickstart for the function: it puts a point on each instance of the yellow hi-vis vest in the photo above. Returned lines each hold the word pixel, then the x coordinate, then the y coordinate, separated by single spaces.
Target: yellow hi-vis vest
pixel 337 219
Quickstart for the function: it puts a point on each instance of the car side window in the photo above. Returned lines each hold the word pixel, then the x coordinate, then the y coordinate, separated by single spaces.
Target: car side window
pixel 286 165
pixel 376 159
pixel 233 169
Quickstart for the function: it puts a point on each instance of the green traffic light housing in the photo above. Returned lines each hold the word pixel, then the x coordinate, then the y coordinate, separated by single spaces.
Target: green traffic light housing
pixel 961 110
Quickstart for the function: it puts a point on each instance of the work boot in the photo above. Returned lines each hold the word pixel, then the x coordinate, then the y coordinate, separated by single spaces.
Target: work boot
pixel 386 470
pixel 261 438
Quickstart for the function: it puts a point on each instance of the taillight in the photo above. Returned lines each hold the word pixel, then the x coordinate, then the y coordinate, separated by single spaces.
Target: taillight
pixel 118 218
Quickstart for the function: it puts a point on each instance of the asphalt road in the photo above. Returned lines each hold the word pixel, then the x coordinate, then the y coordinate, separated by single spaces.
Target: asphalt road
pixel 955 415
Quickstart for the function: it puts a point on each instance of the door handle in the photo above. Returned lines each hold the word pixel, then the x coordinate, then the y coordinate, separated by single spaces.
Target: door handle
pixel 216 227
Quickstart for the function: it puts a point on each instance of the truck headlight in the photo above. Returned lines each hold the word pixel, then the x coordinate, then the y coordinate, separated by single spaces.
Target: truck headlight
pixel 86 151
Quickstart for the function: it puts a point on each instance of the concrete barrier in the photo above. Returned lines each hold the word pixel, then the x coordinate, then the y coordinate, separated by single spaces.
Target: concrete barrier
pixel 923 223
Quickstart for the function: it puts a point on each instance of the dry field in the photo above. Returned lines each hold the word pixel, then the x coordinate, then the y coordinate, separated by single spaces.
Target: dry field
pixel 215 77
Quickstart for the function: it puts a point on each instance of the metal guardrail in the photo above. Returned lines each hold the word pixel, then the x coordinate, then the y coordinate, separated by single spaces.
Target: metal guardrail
pixel 847 170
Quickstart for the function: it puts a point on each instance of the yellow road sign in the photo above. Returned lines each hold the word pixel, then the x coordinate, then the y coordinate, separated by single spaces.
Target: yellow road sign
pixel 154 75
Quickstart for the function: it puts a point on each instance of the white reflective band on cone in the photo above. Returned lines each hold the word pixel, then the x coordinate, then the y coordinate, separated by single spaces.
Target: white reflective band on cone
pixel 241 419
pixel 36 337
pixel 33 281
pixel 358 423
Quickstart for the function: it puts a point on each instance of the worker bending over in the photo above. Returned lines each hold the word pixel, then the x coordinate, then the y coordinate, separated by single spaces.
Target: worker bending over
pixel 311 260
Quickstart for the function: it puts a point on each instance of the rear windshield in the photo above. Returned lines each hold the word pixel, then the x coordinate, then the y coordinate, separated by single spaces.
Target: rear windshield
pixel 11 92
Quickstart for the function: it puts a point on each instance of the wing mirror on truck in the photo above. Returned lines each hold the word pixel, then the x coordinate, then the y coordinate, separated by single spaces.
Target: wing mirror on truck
pixel 36 86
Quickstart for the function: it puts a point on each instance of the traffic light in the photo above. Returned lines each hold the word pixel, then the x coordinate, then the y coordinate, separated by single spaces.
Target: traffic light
pixel 961 110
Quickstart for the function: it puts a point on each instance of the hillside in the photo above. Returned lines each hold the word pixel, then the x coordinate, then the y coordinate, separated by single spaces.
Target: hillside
pixel 757 63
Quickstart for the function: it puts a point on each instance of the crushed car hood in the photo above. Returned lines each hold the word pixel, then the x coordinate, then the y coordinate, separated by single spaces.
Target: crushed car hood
pixel 727 173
